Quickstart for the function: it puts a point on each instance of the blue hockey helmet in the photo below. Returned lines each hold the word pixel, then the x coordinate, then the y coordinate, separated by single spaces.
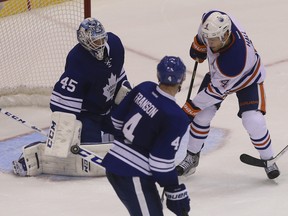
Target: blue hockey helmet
pixel 171 70
pixel 93 37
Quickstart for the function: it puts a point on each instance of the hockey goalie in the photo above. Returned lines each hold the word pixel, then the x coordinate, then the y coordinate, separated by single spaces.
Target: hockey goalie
pixel 54 155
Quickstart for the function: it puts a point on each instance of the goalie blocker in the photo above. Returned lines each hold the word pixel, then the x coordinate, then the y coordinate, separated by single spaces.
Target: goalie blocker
pixel 54 156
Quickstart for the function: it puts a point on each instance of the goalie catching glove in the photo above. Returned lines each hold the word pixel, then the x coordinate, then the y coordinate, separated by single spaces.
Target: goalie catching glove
pixel 190 109
pixel 178 200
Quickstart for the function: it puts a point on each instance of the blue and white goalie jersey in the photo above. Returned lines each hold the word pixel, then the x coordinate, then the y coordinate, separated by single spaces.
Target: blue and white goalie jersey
pixel 89 85
pixel 150 127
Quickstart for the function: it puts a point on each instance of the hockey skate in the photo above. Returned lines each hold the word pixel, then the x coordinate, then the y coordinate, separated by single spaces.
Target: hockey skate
pixel 188 165
pixel 272 171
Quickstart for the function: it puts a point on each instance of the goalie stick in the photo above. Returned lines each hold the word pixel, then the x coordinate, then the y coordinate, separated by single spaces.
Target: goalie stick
pixel 250 160
pixel 82 152
pixel 86 154
pixel 23 122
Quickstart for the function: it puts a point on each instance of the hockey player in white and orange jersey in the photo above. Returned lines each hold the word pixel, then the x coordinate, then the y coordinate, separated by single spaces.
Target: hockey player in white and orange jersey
pixel 234 67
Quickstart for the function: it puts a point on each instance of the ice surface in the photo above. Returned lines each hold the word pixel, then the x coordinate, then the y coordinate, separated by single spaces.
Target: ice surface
pixel 222 185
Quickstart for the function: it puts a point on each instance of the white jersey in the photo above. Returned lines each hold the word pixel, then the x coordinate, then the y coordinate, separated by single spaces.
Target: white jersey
pixel 232 68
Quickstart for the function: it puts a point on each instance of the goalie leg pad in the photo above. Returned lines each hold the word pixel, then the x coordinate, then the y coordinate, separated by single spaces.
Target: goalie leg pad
pixel 64 131
pixel 74 165
pixel 34 162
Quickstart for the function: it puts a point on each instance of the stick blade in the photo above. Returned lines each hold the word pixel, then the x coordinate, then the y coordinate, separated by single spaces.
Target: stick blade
pixel 250 160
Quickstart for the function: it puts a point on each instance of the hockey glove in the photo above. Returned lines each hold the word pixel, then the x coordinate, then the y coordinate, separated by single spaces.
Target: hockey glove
pixel 190 109
pixel 198 50
pixel 178 200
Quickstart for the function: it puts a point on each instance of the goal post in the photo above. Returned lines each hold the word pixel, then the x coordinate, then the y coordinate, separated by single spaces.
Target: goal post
pixel 36 36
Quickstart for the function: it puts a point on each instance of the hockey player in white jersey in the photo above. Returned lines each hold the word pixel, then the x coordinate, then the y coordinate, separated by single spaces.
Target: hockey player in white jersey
pixel 234 67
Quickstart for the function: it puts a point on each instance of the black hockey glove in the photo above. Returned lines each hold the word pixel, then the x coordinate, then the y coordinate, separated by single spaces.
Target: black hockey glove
pixel 190 109
pixel 178 200
pixel 198 50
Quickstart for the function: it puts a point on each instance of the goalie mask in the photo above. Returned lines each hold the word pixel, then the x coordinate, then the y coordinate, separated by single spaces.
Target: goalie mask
pixel 171 70
pixel 215 25
pixel 93 37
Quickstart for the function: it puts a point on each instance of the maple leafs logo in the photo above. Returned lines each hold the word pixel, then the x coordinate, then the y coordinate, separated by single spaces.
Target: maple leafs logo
pixel 108 62
pixel 109 89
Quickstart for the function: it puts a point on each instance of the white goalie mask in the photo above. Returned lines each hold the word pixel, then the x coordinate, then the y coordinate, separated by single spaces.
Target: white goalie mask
pixel 216 25
pixel 93 37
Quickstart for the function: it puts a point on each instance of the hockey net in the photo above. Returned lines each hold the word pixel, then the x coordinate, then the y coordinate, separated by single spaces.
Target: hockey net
pixel 36 36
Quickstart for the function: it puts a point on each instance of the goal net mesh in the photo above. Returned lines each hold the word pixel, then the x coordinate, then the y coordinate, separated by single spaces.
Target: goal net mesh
pixel 36 36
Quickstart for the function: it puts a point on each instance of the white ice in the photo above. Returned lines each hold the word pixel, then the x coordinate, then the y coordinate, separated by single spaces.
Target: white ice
pixel 222 185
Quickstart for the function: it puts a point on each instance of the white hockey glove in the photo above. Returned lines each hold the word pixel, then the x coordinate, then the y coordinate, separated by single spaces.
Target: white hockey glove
pixel 123 91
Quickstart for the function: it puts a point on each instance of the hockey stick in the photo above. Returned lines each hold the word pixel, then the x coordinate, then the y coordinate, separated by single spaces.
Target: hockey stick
pixel 86 154
pixel 23 122
pixel 192 80
pixel 82 152
pixel 250 160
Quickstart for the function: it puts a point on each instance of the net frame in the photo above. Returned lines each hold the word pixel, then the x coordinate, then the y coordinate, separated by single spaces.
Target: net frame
pixel 36 36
